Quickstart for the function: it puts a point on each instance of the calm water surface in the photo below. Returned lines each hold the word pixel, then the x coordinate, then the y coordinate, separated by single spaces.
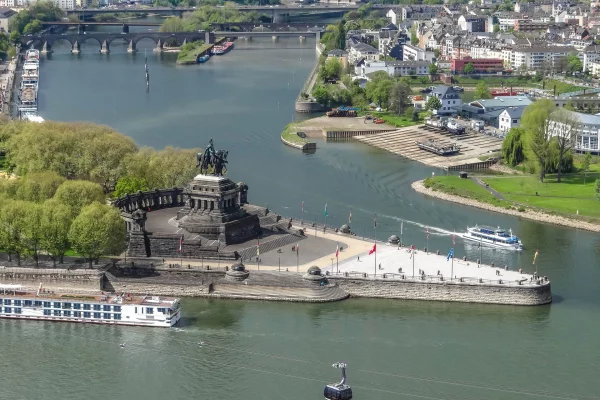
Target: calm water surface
pixel 395 349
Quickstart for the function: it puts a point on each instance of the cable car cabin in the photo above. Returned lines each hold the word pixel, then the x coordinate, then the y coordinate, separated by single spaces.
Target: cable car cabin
pixel 338 392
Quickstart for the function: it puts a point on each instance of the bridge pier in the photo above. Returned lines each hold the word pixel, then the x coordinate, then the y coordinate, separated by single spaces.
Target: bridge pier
pixel 46 48
pixel 275 38
pixel 248 38
pixel 280 17
pixel 125 28
pixel 76 49
pixel 184 42
pixel 302 39
pixel 104 48
pixel 159 46
pixel 131 48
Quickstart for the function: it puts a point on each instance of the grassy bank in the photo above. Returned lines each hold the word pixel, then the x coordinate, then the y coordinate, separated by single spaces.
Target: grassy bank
pixel 399 121
pixel 190 51
pixel 289 134
pixel 570 198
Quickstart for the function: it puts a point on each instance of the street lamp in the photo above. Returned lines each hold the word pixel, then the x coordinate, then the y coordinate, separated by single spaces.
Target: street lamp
pixel 331 265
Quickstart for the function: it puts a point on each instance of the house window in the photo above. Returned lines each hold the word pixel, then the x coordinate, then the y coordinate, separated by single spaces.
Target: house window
pixel 87 314
pixel 37 303
pixel 117 316
pixel 160 310
pixel 87 307
pixel 106 308
pixel 77 314
pixel 47 312
pixel 7 310
pixel 7 302
pixel 514 121
pixel 96 307
pixel 77 306
pixel 57 305
pixel 57 313
pixel 149 310
pixel 17 303
pixel 106 315
pixel 27 303
pixel 66 305
pixel 117 308
pixel 67 313
pixel 47 304
pixel 96 315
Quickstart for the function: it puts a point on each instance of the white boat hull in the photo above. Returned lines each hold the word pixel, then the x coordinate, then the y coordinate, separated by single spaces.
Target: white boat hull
pixel 493 244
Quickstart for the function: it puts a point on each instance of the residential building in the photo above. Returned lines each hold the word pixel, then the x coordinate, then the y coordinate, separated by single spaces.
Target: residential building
pixel 534 58
pixel 396 68
pixel 340 55
pixel 481 65
pixel 591 54
pixel 449 97
pixel 528 25
pixel 475 23
pixel 510 118
pixel 5 14
pixel 362 51
pixel 593 68
pixel 414 53
pixel 585 132
pixel 64 4
pixel 7 4
pixel 506 20
pixel 490 110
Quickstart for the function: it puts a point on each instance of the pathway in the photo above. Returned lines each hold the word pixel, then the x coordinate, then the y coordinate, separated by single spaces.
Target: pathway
pixel 489 189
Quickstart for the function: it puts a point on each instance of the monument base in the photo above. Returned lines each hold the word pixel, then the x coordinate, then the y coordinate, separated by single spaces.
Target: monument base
pixel 230 232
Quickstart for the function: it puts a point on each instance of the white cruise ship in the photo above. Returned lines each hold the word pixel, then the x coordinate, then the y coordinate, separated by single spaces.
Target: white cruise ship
pixel 493 237
pixel 101 309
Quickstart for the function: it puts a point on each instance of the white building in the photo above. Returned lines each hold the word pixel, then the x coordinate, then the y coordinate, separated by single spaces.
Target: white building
pixel 449 97
pixel 64 4
pixel 510 118
pixel 538 57
pixel 362 51
pixel 396 68
pixel 585 133
pixel 476 23
pixel 414 53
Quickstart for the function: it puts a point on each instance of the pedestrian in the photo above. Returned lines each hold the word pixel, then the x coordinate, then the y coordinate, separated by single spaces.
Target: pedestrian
pixel 358 258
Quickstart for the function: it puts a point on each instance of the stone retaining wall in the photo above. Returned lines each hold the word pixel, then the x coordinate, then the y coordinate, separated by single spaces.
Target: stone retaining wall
pixel 57 279
pixel 527 295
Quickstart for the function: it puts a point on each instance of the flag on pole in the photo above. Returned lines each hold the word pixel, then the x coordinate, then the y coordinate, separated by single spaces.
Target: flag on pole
pixel 375 222
pixel 453 239
pixel 450 254
pixel 412 250
pixel 325 212
pixel 258 247
pixel 427 230
pixel 350 217
pixel 337 251
pixel 302 206
pixel 535 256
pixel 181 244
pixel 297 247
pixel 374 249
pixel 401 227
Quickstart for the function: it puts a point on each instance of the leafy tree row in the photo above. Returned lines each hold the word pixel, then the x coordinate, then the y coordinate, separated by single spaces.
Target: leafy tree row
pixel 29 21
pixel 91 152
pixel 201 18
pixel 44 213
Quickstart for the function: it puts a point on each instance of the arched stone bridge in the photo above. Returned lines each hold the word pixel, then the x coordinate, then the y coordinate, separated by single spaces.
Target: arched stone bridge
pixel 105 39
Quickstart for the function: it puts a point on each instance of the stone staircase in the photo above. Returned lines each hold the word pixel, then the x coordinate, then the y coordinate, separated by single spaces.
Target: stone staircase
pixel 269 245
pixel 294 294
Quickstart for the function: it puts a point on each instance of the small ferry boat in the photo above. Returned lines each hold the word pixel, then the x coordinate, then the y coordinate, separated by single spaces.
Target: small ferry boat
pixel 441 150
pixel 493 237
pixel 203 59
pixel 124 309
pixel 219 50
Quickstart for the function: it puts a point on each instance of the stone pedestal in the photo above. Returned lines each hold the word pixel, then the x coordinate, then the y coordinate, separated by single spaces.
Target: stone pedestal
pixel 213 210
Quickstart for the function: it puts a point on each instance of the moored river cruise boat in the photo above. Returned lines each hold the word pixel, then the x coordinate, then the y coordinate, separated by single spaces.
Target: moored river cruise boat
pixel 124 309
pixel 493 237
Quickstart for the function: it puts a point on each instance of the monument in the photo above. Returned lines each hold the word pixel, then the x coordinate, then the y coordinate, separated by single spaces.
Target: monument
pixel 213 203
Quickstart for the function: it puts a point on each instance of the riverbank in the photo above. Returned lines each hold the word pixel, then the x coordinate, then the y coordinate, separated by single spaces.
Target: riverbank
pixel 7 83
pixel 507 208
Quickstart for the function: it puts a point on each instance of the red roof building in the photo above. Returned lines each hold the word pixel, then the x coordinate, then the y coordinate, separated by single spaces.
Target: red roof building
pixel 481 65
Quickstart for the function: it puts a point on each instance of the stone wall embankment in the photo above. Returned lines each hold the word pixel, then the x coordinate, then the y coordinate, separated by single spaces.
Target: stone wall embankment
pixel 533 215
pixel 57 279
pixel 446 291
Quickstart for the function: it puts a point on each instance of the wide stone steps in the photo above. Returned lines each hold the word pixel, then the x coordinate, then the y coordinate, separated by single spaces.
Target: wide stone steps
pixel 314 295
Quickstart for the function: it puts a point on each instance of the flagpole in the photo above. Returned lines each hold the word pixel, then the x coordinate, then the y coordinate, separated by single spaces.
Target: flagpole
pixel 413 257
pixel 427 240
pixel 375 242
pixel 297 258
pixel 452 266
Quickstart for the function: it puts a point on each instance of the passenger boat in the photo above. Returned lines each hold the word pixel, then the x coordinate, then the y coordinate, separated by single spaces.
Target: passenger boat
pixel 493 237
pixel 32 55
pixel 124 309
pixel 203 59
pixel 441 150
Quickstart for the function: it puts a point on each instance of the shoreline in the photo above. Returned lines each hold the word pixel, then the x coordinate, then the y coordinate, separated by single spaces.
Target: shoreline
pixel 529 214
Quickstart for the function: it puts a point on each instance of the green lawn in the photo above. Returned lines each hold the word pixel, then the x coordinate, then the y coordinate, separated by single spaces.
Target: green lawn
pixel 569 196
pixel 462 187
pixel 191 55
pixel 289 134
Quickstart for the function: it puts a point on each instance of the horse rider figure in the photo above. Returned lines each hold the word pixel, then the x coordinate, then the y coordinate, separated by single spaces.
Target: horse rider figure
pixel 220 161
pixel 207 159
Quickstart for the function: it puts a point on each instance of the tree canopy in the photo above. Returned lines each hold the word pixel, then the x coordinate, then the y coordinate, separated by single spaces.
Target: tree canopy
pixel 469 68
pixel 203 16
pixel 331 70
pixel 482 91
pixel 30 20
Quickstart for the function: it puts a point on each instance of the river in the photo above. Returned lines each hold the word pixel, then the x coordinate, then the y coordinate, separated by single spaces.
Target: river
pixel 255 350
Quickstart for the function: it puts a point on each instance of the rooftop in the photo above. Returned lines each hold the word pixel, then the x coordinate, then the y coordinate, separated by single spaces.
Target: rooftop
pixel 503 102
pixel 585 118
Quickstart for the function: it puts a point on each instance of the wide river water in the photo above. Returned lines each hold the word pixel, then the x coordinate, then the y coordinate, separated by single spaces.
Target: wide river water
pixel 258 351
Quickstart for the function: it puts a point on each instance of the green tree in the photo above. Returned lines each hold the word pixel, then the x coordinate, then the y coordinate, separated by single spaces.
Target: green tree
pixel 482 91
pixel 469 69
pixel 399 98
pixel 433 69
pixel 12 226
pixel 15 37
pixel 331 70
pixel 574 64
pixel 597 188
pixel 32 230
pixel 130 185
pixel 414 39
pixel 535 122
pixel 512 147
pixel 78 194
pixel 565 130
pixel 340 41
pixel 33 27
pixel 55 224
pixel 97 230
pixel 585 165
pixel 433 103
pixel 172 24
pixel 38 186
pixel 321 95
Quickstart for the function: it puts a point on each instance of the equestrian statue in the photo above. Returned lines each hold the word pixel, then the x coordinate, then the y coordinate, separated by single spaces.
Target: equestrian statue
pixel 216 160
